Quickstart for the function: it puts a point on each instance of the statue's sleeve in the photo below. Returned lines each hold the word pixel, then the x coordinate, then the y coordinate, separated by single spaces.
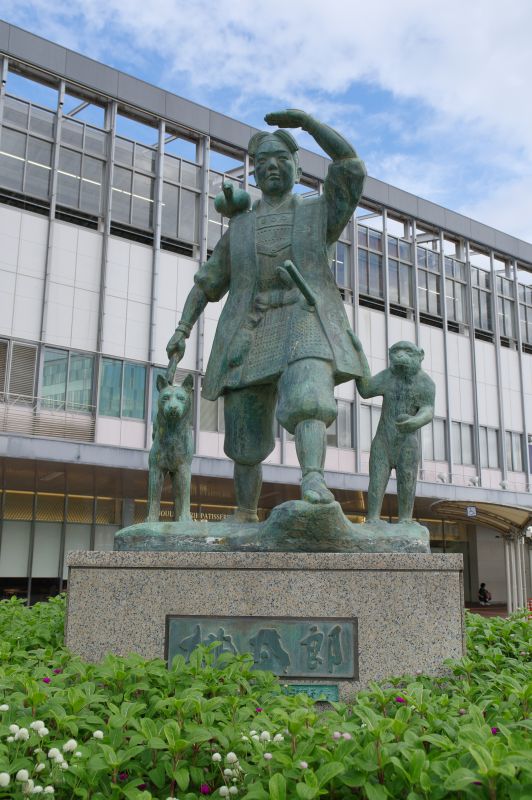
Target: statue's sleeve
pixel 341 192
pixel 214 274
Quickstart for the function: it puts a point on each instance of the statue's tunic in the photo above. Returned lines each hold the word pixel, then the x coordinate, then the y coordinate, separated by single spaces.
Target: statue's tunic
pixel 266 325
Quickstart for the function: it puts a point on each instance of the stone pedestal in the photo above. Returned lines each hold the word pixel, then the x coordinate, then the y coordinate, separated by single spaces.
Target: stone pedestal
pixel 390 613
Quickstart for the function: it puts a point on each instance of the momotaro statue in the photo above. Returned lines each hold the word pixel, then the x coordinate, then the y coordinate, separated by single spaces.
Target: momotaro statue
pixel 172 448
pixel 408 404
pixel 282 340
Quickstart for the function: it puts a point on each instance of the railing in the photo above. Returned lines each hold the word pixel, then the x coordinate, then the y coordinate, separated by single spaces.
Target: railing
pixel 39 416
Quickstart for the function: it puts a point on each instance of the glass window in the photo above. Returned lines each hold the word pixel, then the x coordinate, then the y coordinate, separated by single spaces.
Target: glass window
pixel 514 451
pixel 80 372
pixel 188 216
pixel 340 266
pixel 156 371
pixel 91 185
pixel 121 202
pixel 54 377
pixel 343 424
pixel 462 434
pixel 133 391
pixel 110 387
pixel 142 201
pixel 12 156
pixel 169 210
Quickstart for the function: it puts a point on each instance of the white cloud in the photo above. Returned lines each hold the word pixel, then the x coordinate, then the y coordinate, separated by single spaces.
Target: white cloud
pixel 467 64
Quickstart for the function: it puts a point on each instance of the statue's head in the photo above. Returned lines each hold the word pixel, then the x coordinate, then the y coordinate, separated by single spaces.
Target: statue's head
pixel 405 358
pixel 276 161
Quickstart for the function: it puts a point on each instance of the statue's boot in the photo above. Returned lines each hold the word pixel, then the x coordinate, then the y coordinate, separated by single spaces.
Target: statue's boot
pixel 248 483
pixel 311 446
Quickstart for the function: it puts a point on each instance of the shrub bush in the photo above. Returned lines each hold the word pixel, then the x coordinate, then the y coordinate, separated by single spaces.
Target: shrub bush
pixel 131 728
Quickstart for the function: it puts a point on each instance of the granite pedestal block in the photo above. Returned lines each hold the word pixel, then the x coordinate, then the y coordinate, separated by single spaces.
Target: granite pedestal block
pixel 405 611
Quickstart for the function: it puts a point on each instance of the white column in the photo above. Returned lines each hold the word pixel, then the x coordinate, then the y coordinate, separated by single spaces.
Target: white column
pixel 513 575
pixel 521 544
pixel 507 544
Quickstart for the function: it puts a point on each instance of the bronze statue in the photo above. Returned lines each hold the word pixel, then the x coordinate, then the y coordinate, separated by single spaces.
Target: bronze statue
pixel 282 341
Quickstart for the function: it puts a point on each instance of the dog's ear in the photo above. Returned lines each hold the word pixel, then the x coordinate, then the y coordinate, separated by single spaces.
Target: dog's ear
pixel 161 383
pixel 188 383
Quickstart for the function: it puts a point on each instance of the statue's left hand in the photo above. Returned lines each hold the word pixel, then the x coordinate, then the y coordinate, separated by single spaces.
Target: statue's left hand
pixel 406 424
pixel 289 118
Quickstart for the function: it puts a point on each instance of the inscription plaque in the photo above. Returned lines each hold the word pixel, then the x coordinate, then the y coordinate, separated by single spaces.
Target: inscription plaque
pixel 317 691
pixel 293 648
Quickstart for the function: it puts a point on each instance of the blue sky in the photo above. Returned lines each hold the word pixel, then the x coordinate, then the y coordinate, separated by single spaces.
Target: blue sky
pixel 433 94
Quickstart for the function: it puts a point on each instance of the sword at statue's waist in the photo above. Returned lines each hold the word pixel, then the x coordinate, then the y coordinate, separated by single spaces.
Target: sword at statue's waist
pixel 290 274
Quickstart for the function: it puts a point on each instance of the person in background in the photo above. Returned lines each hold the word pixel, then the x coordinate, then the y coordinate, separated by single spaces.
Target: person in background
pixel 484 596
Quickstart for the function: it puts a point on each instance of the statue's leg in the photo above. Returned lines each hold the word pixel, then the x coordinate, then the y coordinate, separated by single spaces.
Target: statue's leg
pixel 306 408
pixel 155 488
pixel 379 474
pixel 181 486
pixel 249 439
pixel 406 470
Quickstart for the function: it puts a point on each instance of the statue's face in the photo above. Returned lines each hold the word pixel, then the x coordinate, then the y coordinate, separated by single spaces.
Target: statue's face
pixel 405 358
pixel 275 170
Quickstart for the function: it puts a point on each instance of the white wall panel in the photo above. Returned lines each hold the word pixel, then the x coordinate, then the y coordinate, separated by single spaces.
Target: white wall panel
pixel 490 555
pixel 401 330
pixel 133 433
pixel 32 257
pixel 33 227
pixel 46 549
pixel 114 326
pixel 137 330
pixel 108 430
pixel 77 537
pixel 7 301
pixel 85 319
pixel 15 548
pixel 28 308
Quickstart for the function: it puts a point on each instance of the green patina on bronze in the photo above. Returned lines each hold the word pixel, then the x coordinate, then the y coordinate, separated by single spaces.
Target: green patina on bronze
pixel 408 404
pixel 282 344
pixel 301 648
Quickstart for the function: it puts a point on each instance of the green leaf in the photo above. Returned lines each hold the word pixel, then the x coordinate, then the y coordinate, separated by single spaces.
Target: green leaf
pixel 328 771
pixel 277 787
pixel 306 792
pixel 182 778
pixel 460 779
pixel 375 791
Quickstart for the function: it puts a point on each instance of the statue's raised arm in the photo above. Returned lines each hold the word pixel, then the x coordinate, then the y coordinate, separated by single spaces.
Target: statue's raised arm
pixel 345 179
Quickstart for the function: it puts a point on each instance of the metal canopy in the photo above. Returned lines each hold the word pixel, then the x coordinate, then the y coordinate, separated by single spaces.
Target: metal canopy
pixel 506 519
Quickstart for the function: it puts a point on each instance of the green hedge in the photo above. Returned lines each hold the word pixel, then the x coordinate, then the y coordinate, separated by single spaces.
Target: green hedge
pixel 130 728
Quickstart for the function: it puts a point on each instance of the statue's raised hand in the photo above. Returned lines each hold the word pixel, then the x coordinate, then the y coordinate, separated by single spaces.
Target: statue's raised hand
pixel 289 118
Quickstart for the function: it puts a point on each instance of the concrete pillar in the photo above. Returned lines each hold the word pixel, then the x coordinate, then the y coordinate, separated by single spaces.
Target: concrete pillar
pixel 507 544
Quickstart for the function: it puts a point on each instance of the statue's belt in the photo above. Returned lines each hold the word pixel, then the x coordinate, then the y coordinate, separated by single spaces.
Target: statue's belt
pixel 275 298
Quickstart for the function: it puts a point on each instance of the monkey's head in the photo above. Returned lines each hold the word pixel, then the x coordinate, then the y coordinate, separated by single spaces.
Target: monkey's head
pixel 405 358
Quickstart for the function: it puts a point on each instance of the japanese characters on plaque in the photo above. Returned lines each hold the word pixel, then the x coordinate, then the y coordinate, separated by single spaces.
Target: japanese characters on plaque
pixel 303 648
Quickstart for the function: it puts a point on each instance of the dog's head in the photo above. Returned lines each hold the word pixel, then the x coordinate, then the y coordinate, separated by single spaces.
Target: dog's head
pixel 175 401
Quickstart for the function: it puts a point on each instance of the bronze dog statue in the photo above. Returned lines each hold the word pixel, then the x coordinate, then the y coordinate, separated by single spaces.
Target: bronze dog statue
pixel 172 448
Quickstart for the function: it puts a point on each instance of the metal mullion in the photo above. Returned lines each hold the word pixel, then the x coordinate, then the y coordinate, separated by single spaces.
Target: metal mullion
pixel 497 344
pixel 355 413
pixel 386 282
pixel 473 357
pixel 53 203
pixel 31 545
pixel 4 64
pixel 156 255
pixel 205 149
pixel 443 306
pixel 62 545
pixel 525 458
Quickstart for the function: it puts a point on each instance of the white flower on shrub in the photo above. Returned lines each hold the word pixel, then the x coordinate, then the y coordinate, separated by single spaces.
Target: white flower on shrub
pixel 49 790
pixel 28 787
pixel 54 752
pixel 10 739
pixel 233 790
pixel 228 773
pixel 278 737
pixel 224 791
pixel 37 789
pixel 22 775
pixel 14 728
pixel 43 732
pixel 70 746
pixel 4 779
pixel 231 758
pixel 37 724
pixel 4 707
pixel 22 735
pixel 40 767
pixel 97 735
pixel 265 736
pixel 216 757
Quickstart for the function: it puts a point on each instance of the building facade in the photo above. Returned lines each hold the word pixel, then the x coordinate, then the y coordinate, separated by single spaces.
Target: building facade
pixel 107 189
